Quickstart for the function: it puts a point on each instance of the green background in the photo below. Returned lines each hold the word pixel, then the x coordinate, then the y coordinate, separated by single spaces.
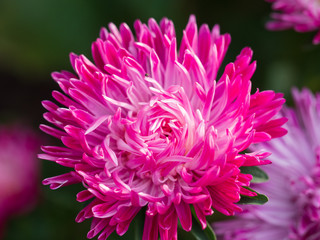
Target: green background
pixel 36 37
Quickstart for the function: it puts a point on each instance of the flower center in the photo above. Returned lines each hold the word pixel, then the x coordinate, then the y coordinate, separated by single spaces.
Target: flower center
pixel 159 136
pixel 165 125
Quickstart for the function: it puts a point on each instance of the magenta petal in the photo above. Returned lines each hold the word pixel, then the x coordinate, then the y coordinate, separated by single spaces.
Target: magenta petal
pixel 150 231
pixel 184 214
pixel 62 180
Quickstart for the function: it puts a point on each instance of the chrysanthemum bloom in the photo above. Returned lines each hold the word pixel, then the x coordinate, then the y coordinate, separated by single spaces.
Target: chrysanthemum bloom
pixel 19 170
pixel 293 210
pixel 301 15
pixel 147 125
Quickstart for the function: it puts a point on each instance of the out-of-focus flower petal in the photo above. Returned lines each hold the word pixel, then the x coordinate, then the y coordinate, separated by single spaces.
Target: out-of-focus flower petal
pixel 301 15
pixel 293 210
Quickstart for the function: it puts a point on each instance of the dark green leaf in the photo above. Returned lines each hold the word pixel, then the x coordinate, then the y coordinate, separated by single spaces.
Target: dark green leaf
pixel 138 222
pixel 258 175
pixel 260 199
pixel 198 232
pixel 209 232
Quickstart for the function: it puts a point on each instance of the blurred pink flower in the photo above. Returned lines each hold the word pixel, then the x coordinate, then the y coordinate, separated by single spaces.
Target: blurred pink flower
pixel 293 210
pixel 301 15
pixel 19 170
pixel 148 125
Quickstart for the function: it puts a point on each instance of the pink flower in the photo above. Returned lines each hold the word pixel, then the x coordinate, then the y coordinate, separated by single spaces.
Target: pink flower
pixel 147 125
pixel 293 210
pixel 19 170
pixel 301 15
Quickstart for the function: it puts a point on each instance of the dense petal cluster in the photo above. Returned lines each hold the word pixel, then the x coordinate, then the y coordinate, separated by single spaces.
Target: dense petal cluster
pixel 148 125
pixel 19 170
pixel 301 15
pixel 293 210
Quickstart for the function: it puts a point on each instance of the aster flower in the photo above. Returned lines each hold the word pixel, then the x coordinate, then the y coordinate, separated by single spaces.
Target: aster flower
pixel 19 170
pixel 293 210
pixel 147 126
pixel 301 15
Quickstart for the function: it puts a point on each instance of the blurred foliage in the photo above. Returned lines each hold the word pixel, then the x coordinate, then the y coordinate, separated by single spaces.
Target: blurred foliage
pixel 36 37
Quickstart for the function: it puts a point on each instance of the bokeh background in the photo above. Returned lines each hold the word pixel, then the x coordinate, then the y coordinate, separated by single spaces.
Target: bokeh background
pixel 36 37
